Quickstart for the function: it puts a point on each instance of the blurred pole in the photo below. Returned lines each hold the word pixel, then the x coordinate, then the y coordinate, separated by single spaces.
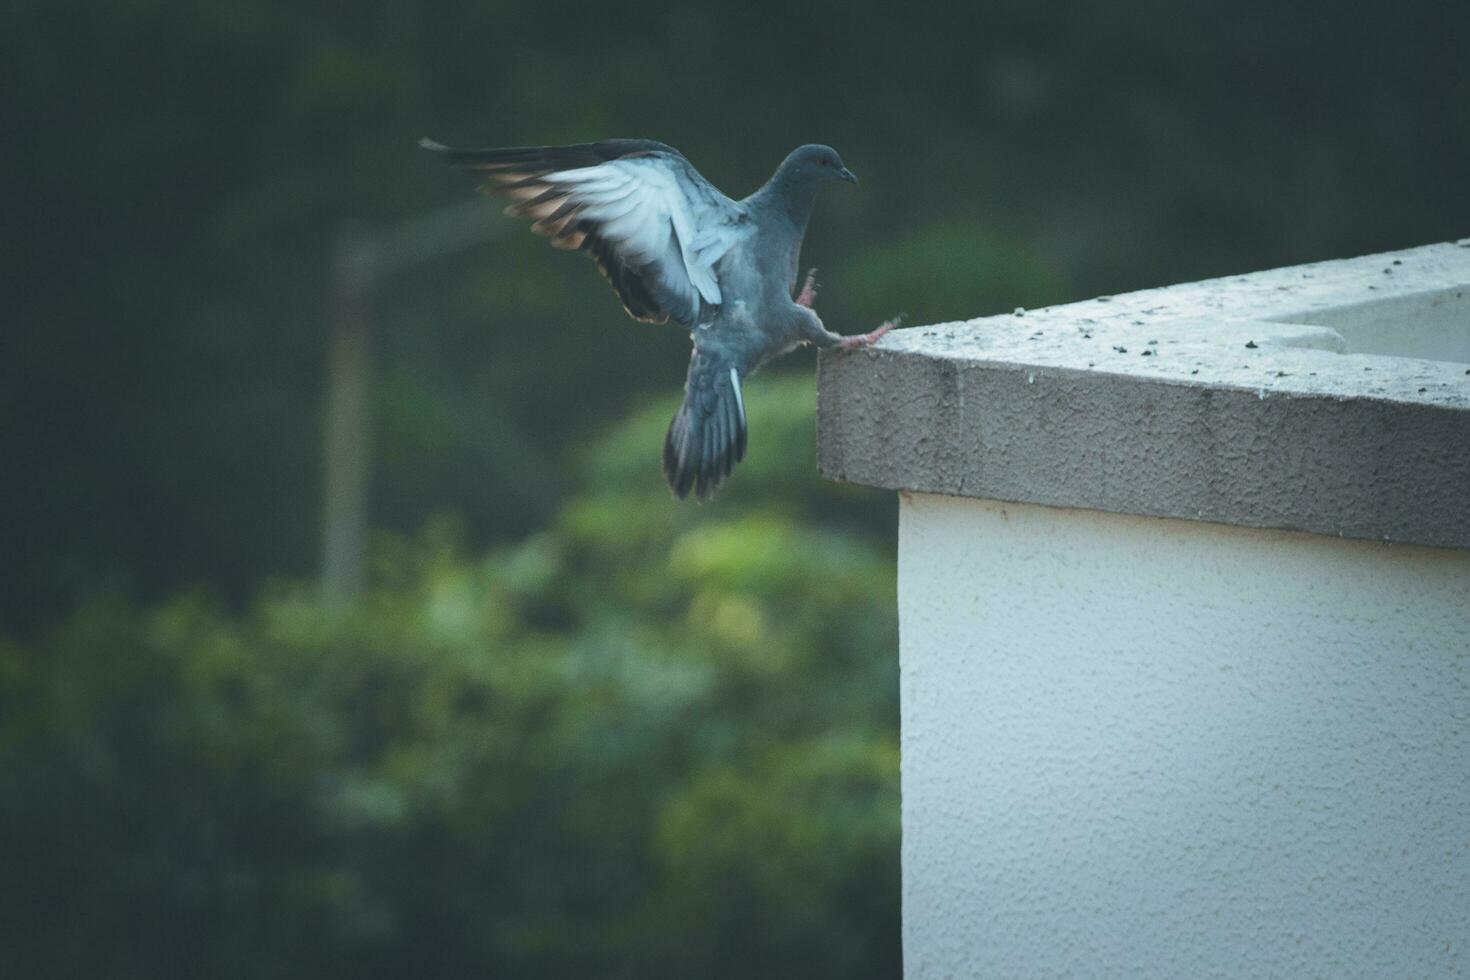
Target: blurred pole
pixel 348 421
pixel 362 259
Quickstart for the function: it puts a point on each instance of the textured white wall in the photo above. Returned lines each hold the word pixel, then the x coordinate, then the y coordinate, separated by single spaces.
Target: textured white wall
pixel 1136 747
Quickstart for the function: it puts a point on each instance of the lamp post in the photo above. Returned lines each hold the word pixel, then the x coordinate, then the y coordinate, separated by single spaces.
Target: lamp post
pixel 361 260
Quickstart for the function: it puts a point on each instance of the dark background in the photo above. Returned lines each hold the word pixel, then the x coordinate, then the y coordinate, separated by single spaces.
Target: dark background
pixel 574 726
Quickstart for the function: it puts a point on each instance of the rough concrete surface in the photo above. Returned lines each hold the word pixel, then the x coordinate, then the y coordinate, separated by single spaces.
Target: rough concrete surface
pixel 1332 398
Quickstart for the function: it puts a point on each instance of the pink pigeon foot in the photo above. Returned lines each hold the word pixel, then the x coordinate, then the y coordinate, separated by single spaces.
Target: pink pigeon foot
pixel 871 337
pixel 808 295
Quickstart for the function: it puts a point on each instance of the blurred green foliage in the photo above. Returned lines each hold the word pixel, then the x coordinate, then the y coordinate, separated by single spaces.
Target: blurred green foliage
pixel 645 741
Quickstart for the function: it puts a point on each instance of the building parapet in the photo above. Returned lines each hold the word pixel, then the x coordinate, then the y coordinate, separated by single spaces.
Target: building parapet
pixel 1332 398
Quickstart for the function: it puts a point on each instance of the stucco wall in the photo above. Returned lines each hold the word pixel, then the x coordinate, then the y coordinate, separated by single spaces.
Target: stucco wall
pixel 1139 747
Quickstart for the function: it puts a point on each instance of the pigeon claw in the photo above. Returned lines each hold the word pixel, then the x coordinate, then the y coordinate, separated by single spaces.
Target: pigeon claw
pixel 808 295
pixel 871 337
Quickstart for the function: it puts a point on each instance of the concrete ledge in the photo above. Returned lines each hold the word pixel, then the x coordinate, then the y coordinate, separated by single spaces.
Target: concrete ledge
pixel 1332 398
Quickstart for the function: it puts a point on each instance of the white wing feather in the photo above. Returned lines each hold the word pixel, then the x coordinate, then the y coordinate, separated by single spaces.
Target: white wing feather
pixel 639 205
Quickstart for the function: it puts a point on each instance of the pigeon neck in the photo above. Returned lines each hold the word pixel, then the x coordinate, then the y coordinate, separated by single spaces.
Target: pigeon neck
pixel 793 197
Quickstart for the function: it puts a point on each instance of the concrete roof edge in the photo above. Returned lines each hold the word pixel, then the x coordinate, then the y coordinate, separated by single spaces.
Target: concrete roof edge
pixel 1194 406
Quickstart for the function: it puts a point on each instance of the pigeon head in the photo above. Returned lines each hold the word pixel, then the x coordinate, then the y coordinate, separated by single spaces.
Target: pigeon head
pixel 816 165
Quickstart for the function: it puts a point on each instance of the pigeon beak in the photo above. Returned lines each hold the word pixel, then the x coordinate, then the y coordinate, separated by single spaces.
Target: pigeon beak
pixel 848 176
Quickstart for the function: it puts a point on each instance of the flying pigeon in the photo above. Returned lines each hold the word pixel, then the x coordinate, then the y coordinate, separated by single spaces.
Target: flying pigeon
pixel 675 248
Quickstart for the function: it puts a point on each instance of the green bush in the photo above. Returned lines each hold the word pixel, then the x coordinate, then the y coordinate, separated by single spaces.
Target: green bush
pixel 651 740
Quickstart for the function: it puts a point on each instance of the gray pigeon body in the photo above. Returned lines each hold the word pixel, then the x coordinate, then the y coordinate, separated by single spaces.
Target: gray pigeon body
pixel 675 248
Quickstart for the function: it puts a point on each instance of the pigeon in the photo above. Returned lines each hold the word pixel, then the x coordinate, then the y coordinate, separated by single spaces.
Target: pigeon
pixel 675 248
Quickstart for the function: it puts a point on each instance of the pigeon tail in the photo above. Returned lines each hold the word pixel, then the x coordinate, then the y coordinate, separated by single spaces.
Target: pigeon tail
pixel 706 437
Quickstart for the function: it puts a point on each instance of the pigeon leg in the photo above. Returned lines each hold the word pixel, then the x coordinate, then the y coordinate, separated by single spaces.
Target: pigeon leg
pixel 870 338
pixel 808 295
pixel 811 331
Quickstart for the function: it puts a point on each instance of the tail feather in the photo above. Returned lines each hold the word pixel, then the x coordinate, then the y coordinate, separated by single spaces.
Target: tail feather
pixel 706 438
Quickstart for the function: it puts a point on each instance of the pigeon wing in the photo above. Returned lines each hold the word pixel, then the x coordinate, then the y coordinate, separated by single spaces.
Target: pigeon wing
pixel 654 225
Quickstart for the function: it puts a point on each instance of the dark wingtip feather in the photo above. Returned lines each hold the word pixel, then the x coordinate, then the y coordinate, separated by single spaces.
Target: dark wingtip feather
pixel 544 158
